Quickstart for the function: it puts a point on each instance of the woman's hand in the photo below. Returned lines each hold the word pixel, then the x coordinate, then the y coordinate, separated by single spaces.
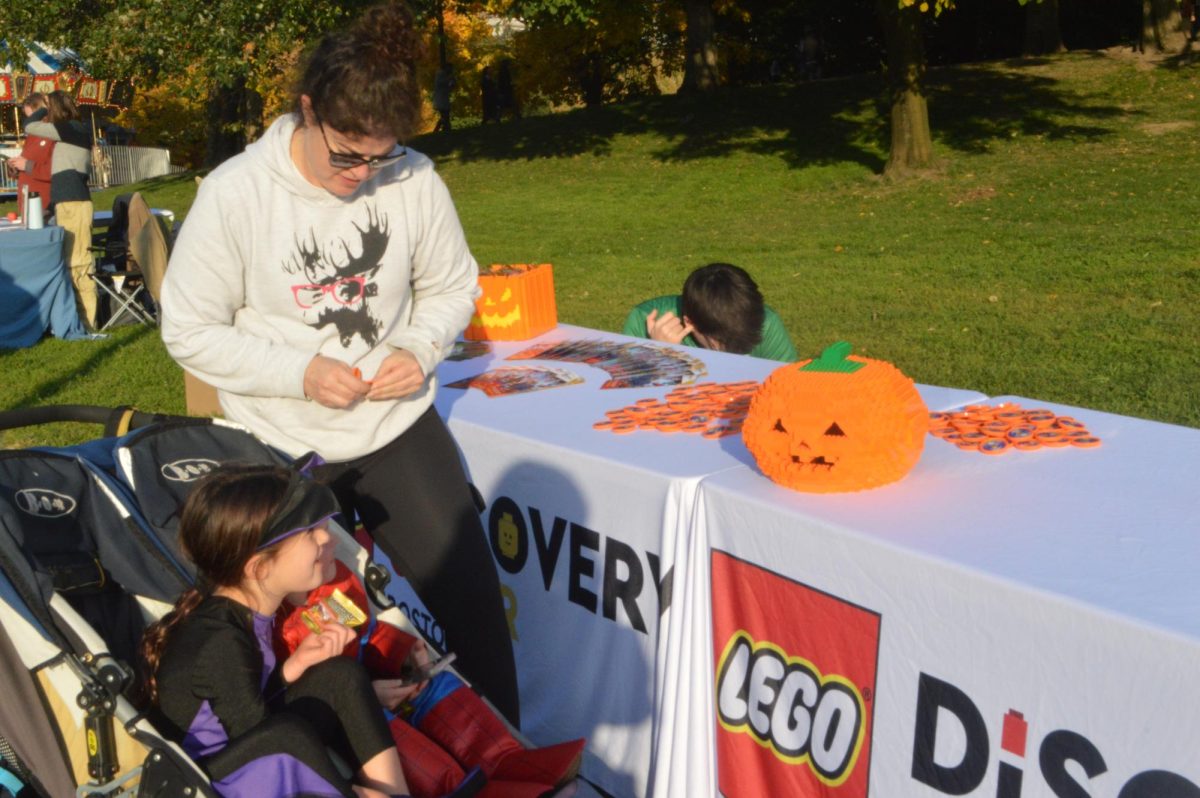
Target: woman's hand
pixel 667 328
pixel 399 375
pixel 317 647
pixel 332 383
pixel 18 163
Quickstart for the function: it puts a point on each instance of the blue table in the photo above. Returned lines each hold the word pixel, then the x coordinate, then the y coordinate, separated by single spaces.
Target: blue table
pixel 35 289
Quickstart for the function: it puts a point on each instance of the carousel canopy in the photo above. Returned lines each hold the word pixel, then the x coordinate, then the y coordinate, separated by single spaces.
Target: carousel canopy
pixel 47 69
pixel 41 59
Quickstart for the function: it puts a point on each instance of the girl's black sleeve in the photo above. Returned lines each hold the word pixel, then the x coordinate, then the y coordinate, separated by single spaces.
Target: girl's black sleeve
pixel 228 674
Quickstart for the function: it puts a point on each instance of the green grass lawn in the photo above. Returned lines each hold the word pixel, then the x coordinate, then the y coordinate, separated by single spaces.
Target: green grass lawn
pixel 1051 254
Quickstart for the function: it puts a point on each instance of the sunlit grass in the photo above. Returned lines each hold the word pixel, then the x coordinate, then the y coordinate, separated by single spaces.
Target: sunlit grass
pixel 1052 253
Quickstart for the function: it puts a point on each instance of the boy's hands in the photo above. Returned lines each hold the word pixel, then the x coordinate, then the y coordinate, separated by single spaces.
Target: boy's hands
pixel 317 647
pixel 667 328
pixel 393 692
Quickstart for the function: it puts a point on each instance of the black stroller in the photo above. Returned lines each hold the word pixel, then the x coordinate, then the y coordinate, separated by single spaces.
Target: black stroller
pixel 88 557
pixel 80 576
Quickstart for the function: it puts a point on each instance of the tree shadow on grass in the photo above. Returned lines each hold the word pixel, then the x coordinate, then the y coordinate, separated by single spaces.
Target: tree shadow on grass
pixel 842 120
pixel 805 124
pixel 973 107
pixel 47 391
pixel 1188 56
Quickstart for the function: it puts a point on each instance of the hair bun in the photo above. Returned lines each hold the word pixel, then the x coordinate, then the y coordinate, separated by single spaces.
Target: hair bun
pixel 388 31
pixel 363 80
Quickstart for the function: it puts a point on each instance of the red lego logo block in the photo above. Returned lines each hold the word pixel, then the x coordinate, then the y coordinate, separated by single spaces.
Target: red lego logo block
pixel 795 692
pixel 1012 738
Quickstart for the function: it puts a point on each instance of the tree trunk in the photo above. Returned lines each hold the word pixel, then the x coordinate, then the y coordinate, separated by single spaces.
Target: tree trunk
pixel 1162 27
pixel 439 14
pixel 234 116
pixel 591 80
pixel 912 146
pixel 223 112
pixel 1042 33
pixel 700 63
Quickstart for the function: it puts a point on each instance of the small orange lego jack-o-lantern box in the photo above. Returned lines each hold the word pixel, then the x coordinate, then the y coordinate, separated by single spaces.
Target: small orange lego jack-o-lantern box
pixel 837 423
pixel 517 303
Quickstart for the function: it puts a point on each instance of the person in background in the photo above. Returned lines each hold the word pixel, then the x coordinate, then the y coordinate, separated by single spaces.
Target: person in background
pixel 722 309
pixel 491 101
pixel 72 207
pixel 506 92
pixel 443 84
pixel 33 167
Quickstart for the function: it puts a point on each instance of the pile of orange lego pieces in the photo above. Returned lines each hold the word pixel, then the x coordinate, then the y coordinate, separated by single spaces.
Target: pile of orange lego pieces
pixel 996 429
pixel 711 409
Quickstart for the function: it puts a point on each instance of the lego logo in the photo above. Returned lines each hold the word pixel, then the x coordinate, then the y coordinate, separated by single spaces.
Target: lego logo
pixel 44 503
pixel 785 704
pixel 189 470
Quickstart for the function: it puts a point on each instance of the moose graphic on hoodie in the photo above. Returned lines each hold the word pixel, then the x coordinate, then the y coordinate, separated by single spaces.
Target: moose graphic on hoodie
pixel 339 283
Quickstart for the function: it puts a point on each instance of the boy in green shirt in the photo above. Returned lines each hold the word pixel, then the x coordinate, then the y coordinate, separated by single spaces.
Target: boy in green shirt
pixel 722 309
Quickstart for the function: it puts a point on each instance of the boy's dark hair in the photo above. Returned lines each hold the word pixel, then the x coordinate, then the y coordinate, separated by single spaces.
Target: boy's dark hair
pixel 363 80
pixel 723 303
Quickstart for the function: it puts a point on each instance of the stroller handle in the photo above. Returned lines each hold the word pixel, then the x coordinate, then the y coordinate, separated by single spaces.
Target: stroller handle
pixel 116 420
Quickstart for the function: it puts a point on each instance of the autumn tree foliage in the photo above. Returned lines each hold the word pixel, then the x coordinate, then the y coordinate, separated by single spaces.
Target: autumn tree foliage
pixel 231 56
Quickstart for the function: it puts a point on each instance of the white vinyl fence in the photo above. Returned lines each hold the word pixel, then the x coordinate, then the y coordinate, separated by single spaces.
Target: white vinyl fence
pixel 118 166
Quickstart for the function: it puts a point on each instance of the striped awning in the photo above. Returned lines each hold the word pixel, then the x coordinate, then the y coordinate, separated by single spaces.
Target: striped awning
pixel 43 60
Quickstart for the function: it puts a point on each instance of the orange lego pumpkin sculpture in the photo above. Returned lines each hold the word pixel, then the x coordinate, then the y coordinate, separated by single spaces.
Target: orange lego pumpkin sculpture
pixel 517 303
pixel 837 423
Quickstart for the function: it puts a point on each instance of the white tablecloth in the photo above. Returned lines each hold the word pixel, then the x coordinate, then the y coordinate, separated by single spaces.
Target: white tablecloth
pixel 587 527
pixel 1018 625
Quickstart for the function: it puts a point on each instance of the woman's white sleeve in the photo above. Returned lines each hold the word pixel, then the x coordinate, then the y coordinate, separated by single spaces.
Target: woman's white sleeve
pixel 205 286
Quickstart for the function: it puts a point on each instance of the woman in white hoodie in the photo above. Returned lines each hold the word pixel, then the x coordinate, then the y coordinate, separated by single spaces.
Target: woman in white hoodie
pixel 320 278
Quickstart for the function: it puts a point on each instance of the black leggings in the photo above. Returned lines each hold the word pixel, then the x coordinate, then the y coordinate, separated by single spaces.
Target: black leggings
pixel 412 496
pixel 331 706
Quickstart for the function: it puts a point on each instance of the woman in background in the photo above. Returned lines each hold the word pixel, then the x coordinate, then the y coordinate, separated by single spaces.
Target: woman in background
pixel 72 208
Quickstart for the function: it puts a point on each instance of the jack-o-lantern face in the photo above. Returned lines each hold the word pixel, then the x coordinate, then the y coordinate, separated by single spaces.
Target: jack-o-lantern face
pixel 499 311
pixel 837 423
pixel 516 302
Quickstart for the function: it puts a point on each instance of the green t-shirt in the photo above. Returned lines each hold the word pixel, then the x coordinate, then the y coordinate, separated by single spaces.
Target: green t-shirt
pixel 775 343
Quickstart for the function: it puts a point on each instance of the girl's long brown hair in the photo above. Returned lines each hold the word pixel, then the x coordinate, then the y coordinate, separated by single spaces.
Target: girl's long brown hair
pixel 61 107
pixel 219 530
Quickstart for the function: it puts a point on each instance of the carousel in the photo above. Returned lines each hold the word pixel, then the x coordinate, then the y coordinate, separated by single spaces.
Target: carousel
pixel 99 100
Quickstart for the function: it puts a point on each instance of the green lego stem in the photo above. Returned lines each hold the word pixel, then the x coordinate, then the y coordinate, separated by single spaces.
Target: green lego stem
pixel 834 359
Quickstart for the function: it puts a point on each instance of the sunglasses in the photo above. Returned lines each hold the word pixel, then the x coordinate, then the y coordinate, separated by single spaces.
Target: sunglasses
pixel 350 160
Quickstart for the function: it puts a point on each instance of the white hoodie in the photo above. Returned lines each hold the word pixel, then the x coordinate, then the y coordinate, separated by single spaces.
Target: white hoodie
pixel 252 292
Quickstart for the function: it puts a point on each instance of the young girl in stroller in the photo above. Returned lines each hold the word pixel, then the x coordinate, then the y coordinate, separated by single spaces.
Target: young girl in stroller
pixel 259 725
pixel 245 672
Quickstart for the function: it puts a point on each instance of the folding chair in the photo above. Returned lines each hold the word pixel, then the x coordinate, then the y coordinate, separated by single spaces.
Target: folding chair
pixel 132 261
pixel 149 245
